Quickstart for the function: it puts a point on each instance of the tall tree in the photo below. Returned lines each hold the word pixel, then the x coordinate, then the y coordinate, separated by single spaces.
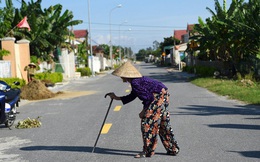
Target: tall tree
pixel 49 27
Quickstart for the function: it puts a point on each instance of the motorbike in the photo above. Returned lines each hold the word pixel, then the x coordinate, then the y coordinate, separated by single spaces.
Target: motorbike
pixel 9 100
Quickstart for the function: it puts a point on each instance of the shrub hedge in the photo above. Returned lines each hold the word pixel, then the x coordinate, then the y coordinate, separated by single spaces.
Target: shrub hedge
pixel 203 71
pixel 53 77
pixel 84 71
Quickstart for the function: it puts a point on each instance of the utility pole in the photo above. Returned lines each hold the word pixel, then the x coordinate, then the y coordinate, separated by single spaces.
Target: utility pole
pixel 89 35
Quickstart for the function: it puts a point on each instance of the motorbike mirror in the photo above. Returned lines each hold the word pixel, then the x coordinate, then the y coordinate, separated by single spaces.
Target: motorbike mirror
pixel 17 83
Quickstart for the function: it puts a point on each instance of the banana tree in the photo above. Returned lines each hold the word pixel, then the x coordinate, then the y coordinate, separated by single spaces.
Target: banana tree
pixel 49 27
pixel 7 19
pixel 220 37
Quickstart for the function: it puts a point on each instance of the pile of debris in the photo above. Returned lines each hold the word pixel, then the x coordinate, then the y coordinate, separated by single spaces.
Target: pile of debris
pixel 36 90
pixel 29 123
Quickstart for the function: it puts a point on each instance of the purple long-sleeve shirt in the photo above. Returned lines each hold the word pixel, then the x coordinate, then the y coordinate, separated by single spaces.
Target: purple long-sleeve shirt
pixel 143 88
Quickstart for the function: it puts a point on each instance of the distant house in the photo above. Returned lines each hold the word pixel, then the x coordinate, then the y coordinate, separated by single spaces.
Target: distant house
pixel 181 35
pixel 79 34
pixel 176 53
pixel 189 29
pixel 98 51
pixel 184 34
pixel 79 37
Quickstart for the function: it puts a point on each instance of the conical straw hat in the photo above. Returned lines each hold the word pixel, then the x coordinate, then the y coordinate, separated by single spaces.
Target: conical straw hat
pixel 127 70
pixel 32 64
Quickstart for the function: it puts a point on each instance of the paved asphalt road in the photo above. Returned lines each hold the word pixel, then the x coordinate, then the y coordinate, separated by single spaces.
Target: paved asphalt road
pixel 208 127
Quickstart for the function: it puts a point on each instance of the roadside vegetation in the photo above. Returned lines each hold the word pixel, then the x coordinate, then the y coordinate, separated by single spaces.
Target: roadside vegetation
pixel 231 36
pixel 242 90
pixel 245 88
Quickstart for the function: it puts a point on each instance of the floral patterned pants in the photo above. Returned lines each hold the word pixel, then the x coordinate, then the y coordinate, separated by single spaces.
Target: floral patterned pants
pixel 157 121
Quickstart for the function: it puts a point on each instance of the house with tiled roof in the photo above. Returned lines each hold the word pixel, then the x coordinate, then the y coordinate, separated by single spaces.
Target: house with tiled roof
pixel 176 53
pixel 79 37
pixel 179 34
pixel 190 27
pixel 98 51
pixel 99 61
pixel 80 34
pixel 183 35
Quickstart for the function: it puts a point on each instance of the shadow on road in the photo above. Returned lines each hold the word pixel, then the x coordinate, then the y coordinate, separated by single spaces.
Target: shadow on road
pixel 202 110
pixel 173 77
pixel 169 75
pixel 235 126
pixel 80 149
pixel 249 154
pixel 87 149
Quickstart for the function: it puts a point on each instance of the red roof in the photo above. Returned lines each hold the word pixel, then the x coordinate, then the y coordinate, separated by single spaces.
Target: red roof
pixel 190 27
pixel 179 33
pixel 80 33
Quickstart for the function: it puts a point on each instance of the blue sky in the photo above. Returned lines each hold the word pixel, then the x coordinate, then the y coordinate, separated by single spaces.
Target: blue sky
pixel 141 22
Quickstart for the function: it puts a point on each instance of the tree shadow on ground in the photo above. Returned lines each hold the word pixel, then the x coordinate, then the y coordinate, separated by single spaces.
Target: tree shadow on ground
pixel 167 76
pixel 203 110
pixel 151 66
pixel 170 77
pixel 235 126
pixel 249 154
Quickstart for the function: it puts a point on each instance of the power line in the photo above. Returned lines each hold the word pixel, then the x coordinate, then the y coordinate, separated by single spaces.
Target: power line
pixel 144 26
pixel 132 30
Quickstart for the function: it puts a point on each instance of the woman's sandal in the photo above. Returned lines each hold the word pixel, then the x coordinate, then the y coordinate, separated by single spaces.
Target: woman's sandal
pixel 141 155
pixel 174 153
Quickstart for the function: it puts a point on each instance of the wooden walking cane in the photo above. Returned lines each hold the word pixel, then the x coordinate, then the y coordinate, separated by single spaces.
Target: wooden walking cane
pixel 102 123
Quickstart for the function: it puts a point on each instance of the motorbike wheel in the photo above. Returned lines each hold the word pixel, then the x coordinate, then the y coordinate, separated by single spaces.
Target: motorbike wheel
pixel 11 117
pixel 9 123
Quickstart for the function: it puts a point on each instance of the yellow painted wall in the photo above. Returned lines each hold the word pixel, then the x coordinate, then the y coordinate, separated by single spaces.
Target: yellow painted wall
pixel 19 56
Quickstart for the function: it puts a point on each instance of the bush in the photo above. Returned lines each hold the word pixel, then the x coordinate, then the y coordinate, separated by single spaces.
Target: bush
pixel 84 71
pixel 116 66
pixel 249 76
pixel 53 77
pixel 10 81
pixel 205 70
pixel 188 69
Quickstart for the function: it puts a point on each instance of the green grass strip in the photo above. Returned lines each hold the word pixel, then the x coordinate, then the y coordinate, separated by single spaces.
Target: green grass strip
pixel 233 89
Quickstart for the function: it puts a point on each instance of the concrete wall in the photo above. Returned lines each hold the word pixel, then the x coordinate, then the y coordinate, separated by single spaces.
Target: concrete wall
pixel 66 61
pixel 19 56
pixel 22 57
pixel 5 69
pixel 99 63
pixel 8 44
